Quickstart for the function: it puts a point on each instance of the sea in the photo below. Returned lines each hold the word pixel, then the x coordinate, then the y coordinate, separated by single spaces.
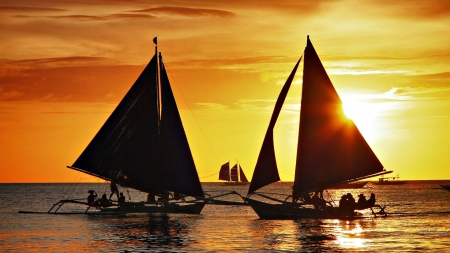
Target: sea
pixel 418 221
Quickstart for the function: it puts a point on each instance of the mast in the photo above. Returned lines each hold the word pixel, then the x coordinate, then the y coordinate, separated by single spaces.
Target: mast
pixel 229 172
pixel 238 171
pixel 158 60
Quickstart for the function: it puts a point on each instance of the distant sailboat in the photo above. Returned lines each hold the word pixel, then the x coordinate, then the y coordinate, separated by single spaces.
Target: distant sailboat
pixel 389 181
pixel 446 187
pixel 330 150
pixel 143 145
pixel 233 176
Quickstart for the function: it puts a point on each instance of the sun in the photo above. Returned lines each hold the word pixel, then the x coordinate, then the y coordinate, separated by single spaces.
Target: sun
pixel 365 115
pixel 352 110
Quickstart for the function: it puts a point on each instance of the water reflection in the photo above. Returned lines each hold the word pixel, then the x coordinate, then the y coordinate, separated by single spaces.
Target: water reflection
pixel 353 234
pixel 312 235
pixel 147 232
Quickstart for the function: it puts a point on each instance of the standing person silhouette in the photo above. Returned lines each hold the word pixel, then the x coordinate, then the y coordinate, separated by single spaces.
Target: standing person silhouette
pixel 114 189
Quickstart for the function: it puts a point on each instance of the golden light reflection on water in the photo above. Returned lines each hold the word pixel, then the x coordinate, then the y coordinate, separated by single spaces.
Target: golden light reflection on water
pixel 349 234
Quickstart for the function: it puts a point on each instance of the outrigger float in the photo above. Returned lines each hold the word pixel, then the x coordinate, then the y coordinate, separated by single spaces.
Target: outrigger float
pixel 189 206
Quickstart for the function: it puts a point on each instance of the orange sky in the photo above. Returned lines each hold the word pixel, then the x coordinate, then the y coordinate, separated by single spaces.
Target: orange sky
pixel 65 66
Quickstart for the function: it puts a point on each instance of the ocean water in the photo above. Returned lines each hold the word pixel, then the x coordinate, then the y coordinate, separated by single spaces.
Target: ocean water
pixel 418 221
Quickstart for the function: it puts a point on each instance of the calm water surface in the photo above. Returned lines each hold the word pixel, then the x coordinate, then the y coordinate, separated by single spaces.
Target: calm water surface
pixel 418 221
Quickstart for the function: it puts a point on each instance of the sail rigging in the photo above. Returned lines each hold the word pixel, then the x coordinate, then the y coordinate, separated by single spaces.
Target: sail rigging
pixel 176 164
pixel 330 148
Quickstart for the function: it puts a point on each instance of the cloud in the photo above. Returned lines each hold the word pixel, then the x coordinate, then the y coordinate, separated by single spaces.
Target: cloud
pixel 68 84
pixel 189 12
pixel 9 95
pixel 243 63
pixel 415 93
pixel 95 17
pixel 61 61
pixel 432 9
pixel 16 9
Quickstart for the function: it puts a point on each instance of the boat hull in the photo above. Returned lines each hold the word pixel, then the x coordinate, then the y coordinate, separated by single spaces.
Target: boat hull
pixel 291 211
pixel 182 208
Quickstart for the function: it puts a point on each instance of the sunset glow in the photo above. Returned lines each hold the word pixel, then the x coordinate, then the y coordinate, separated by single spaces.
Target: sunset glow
pixel 64 66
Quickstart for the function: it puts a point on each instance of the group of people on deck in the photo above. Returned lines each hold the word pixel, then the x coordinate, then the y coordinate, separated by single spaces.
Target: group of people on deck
pixel 163 198
pixel 347 202
pixel 104 201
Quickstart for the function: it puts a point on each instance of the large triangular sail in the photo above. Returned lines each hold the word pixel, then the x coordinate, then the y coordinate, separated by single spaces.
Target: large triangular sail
pixel 224 172
pixel 143 144
pixel 125 147
pixel 266 170
pixel 242 176
pixel 330 147
pixel 176 164
pixel 234 175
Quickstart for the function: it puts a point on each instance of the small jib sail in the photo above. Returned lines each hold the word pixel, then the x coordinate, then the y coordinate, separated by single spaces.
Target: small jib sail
pixel 143 144
pixel 235 175
pixel 330 148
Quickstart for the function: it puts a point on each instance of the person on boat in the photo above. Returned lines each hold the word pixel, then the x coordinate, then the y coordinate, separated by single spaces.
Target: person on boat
pixel 343 201
pixel 104 201
pixel 317 201
pixel 151 198
pixel 114 189
pixel 92 196
pixel 307 198
pixel 362 201
pixel 121 200
pixel 371 201
pixel 165 197
pixel 347 204
pixel 177 196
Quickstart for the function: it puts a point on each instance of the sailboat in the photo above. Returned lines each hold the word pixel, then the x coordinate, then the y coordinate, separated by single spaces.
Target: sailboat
pixel 233 176
pixel 390 181
pixel 143 145
pixel 446 187
pixel 330 150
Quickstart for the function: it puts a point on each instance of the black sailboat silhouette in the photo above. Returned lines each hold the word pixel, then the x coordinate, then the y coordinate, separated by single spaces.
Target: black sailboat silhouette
pixel 330 148
pixel 143 144
pixel 233 176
